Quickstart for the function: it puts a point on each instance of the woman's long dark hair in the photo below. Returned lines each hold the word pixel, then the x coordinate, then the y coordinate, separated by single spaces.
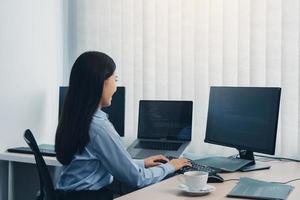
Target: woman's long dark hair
pixel 88 74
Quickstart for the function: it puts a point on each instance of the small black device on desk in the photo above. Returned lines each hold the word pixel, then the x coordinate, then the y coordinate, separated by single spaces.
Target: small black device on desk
pixel 45 149
pixel 213 177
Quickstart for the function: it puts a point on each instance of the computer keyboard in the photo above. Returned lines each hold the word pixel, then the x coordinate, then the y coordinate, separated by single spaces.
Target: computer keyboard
pixel 195 167
pixel 171 146
pixel 213 176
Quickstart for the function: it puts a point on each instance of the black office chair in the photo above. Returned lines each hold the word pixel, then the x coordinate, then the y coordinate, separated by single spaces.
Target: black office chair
pixel 47 191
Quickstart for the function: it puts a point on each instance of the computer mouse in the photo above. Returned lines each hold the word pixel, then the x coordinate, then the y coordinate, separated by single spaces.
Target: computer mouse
pixel 215 178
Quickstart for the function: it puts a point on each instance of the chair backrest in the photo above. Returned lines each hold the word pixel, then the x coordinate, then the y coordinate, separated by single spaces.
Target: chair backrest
pixel 47 191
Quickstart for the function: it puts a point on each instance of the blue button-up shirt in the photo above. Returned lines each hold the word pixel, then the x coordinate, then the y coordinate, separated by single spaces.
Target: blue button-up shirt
pixel 105 157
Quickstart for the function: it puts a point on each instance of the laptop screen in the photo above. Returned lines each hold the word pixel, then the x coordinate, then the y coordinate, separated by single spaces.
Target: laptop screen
pixel 170 120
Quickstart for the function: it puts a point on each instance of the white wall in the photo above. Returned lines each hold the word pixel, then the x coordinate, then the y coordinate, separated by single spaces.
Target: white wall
pixel 176 49
pixel 164 49
pixel 31 62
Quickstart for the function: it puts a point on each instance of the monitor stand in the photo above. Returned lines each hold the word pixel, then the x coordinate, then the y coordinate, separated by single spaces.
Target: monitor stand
pixel 248 155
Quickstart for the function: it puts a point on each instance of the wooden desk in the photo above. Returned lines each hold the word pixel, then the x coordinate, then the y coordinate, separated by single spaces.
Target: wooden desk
pixel 167 189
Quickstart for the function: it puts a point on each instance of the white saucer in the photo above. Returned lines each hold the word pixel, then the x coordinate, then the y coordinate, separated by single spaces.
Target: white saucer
pixel 207 189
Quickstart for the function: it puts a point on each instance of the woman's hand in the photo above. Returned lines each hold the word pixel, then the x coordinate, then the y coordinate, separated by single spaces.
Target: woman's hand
pixel 180 163
pixel 155 160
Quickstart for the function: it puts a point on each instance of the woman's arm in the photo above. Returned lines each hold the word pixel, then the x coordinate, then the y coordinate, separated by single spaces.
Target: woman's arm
pixel 139 162
pixel 117 161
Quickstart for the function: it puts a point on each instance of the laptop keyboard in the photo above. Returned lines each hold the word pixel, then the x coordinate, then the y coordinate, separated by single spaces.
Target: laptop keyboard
pixel 170 146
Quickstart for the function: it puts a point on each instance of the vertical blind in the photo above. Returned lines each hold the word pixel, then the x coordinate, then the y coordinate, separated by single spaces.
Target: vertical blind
pixel 177 49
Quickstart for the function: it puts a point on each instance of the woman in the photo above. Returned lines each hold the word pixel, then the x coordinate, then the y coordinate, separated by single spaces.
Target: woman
pixel 86 142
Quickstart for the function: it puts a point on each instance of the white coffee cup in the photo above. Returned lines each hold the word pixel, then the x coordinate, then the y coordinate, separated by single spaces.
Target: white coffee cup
pixel 194 180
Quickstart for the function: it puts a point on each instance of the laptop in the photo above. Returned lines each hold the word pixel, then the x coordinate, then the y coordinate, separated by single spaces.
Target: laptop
pixel 164 127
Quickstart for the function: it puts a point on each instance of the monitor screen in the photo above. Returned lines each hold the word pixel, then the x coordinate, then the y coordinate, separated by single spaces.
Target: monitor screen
pixel 243 117
pixel 116 112
pixel 165 120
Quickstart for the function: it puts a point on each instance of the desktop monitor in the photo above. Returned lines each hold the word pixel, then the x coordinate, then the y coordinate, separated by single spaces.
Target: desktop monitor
pixel 244 118
pixel 116 112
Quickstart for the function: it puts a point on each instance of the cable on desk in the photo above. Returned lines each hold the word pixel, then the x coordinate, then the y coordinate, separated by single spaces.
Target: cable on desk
pixel 264 159
pixel 296 179
pixel 232 179
pixel 278 158
pixel 270 157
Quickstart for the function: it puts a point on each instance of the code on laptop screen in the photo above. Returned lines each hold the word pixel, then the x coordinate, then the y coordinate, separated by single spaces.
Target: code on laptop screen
pixel 165 120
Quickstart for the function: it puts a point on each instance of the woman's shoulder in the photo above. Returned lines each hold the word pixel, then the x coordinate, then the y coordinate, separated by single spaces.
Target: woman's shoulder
pixel 103 132
pixel 102 126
